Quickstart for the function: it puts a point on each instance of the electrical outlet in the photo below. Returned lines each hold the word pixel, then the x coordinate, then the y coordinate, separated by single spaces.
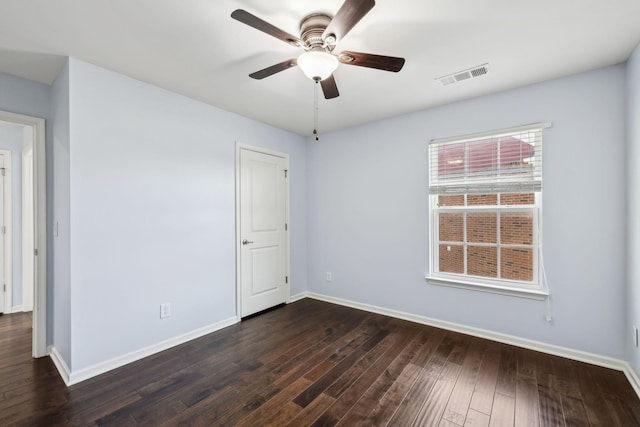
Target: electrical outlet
pixel 329 276
pixel 165 310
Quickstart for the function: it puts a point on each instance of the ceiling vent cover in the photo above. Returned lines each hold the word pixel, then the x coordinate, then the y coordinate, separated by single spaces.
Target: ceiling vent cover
pixel 467 74
pixel 477 72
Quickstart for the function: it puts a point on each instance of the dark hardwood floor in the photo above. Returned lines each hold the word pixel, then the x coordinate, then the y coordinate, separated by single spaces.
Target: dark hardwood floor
pixel 314 363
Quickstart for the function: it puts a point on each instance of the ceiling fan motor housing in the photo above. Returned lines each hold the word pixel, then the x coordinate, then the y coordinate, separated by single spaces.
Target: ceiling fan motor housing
pixel 311 29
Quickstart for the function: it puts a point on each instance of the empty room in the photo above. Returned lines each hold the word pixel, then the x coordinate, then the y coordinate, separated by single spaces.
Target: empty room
pixel 339 212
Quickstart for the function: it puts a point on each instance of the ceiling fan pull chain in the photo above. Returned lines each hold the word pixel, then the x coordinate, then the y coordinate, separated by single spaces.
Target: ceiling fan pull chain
pixel 315 108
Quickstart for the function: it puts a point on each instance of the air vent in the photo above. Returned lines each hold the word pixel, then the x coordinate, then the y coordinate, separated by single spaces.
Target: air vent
pixel 462 76
pixel 447 80
pixel 477 71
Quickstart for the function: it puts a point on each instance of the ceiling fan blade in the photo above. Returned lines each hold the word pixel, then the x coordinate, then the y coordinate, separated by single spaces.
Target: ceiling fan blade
pixel 269 71
pixel 349 14
pixel 329 87
pixel 259 24
pixel 369 60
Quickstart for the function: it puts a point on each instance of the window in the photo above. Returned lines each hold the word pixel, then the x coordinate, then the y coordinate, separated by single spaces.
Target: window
pixel 484 209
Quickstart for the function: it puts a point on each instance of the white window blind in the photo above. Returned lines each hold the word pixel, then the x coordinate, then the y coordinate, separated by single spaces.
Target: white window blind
pixel 504 161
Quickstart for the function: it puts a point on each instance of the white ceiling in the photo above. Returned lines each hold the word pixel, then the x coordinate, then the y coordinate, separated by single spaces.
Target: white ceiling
pixel 194 48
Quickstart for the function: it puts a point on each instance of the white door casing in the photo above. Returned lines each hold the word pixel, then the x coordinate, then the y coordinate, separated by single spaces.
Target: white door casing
pixel 262 237
pixel 27 228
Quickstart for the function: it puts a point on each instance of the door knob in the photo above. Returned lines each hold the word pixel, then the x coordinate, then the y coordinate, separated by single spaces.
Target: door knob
pixel 246 242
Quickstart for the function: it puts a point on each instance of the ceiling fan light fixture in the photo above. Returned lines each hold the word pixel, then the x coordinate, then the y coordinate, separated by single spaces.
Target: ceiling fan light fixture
pixel 317 64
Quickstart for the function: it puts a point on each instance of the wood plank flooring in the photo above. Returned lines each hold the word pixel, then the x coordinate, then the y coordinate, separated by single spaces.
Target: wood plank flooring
pixel 312 363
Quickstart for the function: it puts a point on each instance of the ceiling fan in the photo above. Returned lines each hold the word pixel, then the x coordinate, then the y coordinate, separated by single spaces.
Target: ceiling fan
pixel 319 34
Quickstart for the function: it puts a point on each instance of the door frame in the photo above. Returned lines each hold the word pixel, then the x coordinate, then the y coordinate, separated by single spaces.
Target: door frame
pixel 239 148
pixel 7 208
pixel 39 335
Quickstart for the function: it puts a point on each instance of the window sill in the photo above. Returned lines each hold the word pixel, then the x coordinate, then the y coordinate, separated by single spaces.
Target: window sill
pixel 537 294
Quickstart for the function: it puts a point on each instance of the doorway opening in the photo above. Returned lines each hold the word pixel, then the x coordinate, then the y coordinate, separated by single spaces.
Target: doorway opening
pixel 26 226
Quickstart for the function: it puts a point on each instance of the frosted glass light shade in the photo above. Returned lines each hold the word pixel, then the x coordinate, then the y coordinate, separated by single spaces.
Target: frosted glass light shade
pixel 317 64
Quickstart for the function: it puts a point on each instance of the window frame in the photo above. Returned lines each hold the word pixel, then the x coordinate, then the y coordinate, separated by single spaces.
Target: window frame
pixel 536 288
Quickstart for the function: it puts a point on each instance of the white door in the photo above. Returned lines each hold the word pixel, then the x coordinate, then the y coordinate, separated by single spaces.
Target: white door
pixel 263 231
pixel 3 286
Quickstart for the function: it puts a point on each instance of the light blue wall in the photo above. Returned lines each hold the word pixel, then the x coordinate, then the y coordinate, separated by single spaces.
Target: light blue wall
pixel 18 95
pixel 368 217
pixel 152 212
pixel 11 138
pixel 58 203
pixel 633 206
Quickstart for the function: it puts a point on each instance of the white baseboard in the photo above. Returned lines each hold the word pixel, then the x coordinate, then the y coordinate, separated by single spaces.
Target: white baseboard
pixel 18 309
pixel 632 377
pixel 74 377
pixel 15 309
pixel 61 365
pixel 298 297
pixel 594 359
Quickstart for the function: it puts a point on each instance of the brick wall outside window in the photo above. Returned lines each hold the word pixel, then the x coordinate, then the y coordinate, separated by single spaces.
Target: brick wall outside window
pixel 475 234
